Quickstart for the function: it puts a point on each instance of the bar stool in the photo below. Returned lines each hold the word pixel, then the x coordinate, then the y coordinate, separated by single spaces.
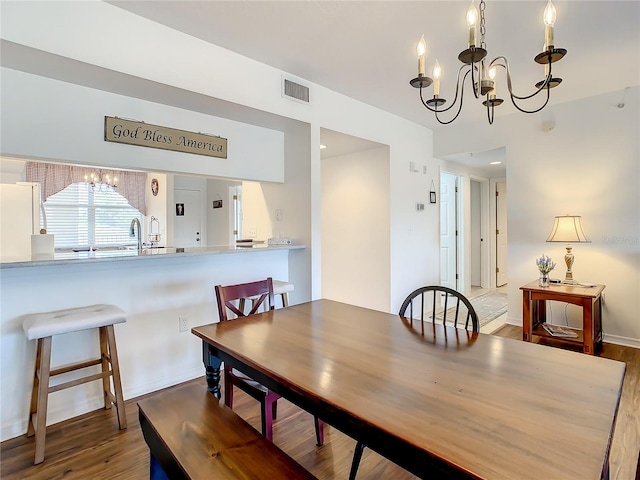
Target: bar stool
pixel 42 327
pixel 279 288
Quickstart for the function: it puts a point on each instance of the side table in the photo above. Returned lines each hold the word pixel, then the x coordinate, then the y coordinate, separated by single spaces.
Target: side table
pixel 534 298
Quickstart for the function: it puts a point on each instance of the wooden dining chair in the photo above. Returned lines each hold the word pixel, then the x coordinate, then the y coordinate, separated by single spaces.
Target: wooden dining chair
pixel 433 304
pixel 229 299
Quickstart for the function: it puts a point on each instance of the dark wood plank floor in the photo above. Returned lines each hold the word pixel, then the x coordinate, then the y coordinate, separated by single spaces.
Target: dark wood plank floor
pixel 92 447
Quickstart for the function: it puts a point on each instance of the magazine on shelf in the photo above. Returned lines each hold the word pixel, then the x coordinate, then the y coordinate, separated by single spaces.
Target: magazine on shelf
pixel 558 331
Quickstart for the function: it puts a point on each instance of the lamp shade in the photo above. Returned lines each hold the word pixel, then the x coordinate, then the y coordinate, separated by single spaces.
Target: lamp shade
pixel 568 229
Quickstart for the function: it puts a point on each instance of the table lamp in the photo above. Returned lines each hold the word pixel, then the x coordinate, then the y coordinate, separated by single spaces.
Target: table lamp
pixel 568 229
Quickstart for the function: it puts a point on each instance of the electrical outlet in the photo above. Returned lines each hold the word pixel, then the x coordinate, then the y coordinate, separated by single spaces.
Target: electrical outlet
pixel 252 232
pixel 182 324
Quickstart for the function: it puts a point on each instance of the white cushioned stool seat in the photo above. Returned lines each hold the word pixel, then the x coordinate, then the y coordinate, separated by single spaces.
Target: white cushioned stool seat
pixel 47 324
pixel 279 288
pixel 42 327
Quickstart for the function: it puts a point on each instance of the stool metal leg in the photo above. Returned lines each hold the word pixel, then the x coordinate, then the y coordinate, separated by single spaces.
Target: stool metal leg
pixel 117 383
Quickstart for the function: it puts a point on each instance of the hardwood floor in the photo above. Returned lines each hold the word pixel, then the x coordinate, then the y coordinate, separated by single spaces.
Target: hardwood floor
pixel 92 447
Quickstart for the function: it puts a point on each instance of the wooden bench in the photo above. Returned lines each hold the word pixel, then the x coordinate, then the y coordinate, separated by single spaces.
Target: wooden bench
pixel 191 436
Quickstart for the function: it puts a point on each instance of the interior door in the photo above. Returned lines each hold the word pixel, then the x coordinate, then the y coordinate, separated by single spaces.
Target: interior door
pixel 448 231
pixel 501 234
pixel 187 218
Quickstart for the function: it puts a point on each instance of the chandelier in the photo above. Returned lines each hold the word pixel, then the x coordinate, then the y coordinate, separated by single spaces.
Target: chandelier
pixel 483 73
pixel 101 181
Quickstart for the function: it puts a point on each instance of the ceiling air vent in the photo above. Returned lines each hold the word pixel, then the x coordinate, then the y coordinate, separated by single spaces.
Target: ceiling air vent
pixel 295 91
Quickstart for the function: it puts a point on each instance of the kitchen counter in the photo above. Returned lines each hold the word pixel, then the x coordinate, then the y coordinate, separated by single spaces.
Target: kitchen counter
pixel 118 255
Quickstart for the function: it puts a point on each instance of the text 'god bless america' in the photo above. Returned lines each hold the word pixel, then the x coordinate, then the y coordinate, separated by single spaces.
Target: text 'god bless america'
pixel 143 134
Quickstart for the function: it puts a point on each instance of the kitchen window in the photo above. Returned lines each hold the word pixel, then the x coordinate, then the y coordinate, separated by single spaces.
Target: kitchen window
pixel 81 217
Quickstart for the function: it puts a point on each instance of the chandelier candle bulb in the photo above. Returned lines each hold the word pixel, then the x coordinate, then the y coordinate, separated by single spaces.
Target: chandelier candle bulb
pixel 421 50
pixel 492 76
pixel 549 18
pixel 472 19
pixel 437 71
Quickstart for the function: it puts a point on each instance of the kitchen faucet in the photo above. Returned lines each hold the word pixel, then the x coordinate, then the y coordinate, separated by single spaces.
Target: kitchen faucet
pixel 135 222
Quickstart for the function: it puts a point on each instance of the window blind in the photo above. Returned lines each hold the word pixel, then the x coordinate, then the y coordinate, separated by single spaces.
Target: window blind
pixel 80 217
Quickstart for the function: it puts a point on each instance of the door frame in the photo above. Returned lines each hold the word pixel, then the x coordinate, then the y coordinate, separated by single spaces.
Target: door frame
pixel 463 205
pixel 494 226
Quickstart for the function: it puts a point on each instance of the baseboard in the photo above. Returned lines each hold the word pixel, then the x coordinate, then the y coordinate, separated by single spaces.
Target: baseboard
pixel 607 337
pixel 619 340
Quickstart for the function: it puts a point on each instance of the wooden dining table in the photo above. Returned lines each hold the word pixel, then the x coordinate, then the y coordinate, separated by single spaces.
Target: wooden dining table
pixel 438 401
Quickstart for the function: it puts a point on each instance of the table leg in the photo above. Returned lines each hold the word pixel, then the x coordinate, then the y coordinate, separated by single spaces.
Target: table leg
pixel 587 327
pixel 526 316
pixel 212 370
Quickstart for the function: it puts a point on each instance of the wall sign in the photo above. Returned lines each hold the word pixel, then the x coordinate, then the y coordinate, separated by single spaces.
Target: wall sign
pixel 143 134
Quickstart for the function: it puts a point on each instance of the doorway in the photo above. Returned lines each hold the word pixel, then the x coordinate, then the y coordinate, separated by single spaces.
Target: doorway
pixel 449 217
pixel 187 218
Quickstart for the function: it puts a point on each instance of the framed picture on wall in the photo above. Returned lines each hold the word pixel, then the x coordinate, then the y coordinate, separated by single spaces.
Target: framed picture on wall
pixel 179 209
pixel 432 197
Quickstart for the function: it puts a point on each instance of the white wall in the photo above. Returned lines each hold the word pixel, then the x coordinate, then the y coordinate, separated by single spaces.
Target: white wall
pixel 153 353
pixel 156 207
pixel 589 166
pixel 150 51
pixel 68 117
pixel 355 228
pixel 220 221
pixel 57 121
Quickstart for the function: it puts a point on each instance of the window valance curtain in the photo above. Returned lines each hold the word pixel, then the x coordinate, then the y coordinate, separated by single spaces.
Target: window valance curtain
pixel 54 178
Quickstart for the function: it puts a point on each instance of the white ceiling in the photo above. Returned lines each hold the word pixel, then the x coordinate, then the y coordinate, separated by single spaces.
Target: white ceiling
pixel 366 49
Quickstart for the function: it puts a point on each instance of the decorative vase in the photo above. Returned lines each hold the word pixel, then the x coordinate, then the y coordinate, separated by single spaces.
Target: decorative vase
pixel 544 280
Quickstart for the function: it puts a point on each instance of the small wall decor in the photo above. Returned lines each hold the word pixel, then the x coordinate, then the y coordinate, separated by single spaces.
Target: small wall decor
pixel 432 193
pixel 154 187
pixel 179 209
pixel 217 203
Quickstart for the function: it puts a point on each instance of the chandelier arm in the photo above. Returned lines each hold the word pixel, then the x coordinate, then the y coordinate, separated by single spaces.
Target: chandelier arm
pixel 476 93
pixel 531 111
pixel 490 116
pixel 454 99
pixel 458 91
pixel 509 84
pixel 459 106
pixel 425 103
